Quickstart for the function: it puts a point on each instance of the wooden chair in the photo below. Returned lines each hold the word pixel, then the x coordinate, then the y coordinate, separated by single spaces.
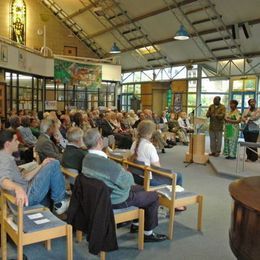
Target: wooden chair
pixel 128 214
pixel 170 199
pixel 121 215
pixel 25 231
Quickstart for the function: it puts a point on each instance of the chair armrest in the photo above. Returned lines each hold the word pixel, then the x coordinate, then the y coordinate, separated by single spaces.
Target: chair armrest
pixel 68 172
pixel 8 197
pixel 162 173
pixel 155 188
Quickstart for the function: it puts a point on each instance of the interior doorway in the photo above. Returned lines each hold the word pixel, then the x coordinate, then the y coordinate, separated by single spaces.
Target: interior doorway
pixel 159 100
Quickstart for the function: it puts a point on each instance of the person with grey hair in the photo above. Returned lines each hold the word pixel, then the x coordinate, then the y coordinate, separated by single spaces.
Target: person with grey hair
pixel 26 133
pixel 45 147
pixel 74 151
pixel 124 193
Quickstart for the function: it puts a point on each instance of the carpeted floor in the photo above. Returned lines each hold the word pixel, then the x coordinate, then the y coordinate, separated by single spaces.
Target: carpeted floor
pixel 188 243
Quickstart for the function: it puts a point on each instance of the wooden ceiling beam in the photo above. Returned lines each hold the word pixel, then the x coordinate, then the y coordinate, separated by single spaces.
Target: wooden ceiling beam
pixel 141 17
pixel 80 11
pixel 198 10
pixel 201 33
pixel 197 61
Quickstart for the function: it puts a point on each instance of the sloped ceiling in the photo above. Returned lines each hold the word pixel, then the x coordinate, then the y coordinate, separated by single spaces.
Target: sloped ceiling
pixel 138 23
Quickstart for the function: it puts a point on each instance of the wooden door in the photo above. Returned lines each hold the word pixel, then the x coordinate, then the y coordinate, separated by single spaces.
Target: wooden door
pixel 159 100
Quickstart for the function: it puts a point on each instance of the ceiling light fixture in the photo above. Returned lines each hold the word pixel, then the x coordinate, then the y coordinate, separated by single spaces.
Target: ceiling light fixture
pixel 115 49
pixel 181 34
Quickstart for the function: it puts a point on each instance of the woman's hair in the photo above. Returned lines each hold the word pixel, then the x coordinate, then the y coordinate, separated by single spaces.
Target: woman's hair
pixel 78 119
pixel 145 129
pixel 25 121
pixel 233 101
pixel 14 122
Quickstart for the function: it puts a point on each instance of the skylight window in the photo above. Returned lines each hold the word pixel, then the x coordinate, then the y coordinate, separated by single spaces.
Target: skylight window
pixel 146 50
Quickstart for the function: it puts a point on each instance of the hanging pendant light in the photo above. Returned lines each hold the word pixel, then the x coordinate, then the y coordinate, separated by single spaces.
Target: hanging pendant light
pixel 115 49
pixel 181 34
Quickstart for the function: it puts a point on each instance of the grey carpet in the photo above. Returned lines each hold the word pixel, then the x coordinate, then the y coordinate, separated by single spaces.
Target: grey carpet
pixel 188 243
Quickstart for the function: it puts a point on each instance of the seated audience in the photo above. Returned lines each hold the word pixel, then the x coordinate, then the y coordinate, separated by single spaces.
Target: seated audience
pixel 123 141
pixel 26 133
pixel 143 150
pixel 175 128
pixel 45 147
pixel 184 123
pixel 32 187
pixel 123 191
pixel 74 152
pixel 65 125
pixel 35 127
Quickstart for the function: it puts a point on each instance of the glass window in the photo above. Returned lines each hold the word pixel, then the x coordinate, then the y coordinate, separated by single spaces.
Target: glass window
pixel 128 77
pixel 209 85
pixel 166 73
pixel 179 72
pixel 147 75
pixel 25 81
pixel 250 85
pixel 191 99
pixel 207 99
pixel 137 89
pixel 192 73
pixel 158 74
pixel 192 85
pixel 258 100
pixel 137 76
pixel 130 89
pixel 124 88
pixel 238 85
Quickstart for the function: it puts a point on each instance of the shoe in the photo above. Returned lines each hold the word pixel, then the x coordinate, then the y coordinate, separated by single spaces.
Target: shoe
pixel 170 142
pixel 180 209
pixel 61 207
pixel 134 229
pixel 163 151
pixel 155 238
pixel 212 154
pixel 216 155
pixel 232 158
pixel 168 146
pixel 228 157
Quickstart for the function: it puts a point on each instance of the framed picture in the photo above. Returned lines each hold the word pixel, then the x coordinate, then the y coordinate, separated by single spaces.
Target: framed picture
pixel 70 51
pixel 4 53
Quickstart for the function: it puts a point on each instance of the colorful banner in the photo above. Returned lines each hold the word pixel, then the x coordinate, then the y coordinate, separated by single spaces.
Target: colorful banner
pixel 169 97
pixel 68 72
pixel 177 102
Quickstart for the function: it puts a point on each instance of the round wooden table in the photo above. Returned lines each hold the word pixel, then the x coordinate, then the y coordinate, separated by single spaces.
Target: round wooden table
pixel 244 233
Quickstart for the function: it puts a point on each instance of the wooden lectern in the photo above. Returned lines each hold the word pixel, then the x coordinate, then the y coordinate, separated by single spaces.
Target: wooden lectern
pixel 196 151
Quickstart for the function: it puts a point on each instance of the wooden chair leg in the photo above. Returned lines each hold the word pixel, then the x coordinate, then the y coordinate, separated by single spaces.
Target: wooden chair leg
pixel 200 206
pixel 69 243
pixel 78 236
pixel 48 245
pixel 19 251
pixel 141 230
pixel 3 244
pixel 102 255
pixel 171 223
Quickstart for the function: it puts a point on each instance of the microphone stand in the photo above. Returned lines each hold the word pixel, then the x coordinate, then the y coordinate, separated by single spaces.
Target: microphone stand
pixel 191 137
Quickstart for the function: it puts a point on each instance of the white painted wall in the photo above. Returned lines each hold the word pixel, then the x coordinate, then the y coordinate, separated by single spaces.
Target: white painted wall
pixel 28 62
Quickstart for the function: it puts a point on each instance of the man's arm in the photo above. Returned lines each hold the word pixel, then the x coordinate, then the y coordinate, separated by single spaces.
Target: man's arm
pixel 20 194
pixel 221 113
pixel 28 176
pixel 209 112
